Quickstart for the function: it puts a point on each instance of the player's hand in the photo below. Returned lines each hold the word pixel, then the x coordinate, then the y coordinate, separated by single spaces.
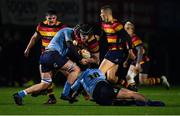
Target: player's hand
pixel 26 53
pixel 84 61
pixel 75 43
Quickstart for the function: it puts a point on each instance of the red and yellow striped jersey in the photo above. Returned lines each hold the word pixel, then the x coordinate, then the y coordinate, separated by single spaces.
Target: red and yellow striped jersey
pixel 136 41
pixel 47 32
pixel 111 29
pixel 93 44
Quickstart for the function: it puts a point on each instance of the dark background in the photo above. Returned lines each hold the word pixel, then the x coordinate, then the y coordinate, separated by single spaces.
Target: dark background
pixel 157 23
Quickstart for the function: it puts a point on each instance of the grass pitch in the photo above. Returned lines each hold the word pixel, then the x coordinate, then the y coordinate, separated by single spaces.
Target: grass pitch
pixel 35 105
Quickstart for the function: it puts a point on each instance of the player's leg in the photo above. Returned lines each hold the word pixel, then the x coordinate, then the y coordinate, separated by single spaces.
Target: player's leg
pixel 106 65
pixel 137 98
pixel 131 74
pixel 145 80
pixel 111 74
pixel 128 94
pixel 121 73
pixel 73 72
pixel 46 80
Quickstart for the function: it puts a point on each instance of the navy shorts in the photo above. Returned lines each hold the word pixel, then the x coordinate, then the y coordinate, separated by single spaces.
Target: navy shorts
pixel 103 93
pixel 115 56
pixel 50 60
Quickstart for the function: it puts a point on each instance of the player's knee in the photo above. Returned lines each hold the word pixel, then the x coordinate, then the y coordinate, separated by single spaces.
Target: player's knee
pixel 45 83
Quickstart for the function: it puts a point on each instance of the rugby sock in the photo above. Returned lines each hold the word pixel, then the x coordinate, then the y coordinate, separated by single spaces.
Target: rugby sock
pixel 153 81
pixel 22 93
pixel 66 89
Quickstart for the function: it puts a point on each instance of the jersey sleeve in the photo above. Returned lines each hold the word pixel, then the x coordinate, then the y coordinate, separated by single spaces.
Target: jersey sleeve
pixel 68 35
pixel 93 45
pixel 136 41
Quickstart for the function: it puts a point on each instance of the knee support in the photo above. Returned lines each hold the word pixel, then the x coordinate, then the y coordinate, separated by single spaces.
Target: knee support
pixel 47 81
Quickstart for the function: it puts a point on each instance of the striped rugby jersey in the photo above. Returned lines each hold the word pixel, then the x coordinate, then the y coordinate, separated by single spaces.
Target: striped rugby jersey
pixel 136 41
pixel 111 30
pixel 47 32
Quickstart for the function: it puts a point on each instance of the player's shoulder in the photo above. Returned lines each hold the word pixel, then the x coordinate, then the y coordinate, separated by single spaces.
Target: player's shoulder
pixel 135 37
pixel 67 29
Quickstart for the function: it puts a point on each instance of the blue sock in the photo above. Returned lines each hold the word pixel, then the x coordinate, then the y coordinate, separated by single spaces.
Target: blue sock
pixel 22 93
pixel 67 88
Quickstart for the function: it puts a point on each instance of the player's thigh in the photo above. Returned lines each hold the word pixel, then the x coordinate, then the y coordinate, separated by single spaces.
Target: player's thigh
pixel 70 66
pixel 105 65
pixel 111 73
pixel 125 94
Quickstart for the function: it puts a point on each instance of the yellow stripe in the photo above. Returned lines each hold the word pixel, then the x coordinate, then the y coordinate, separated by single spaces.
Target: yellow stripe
pixel 45 33
pixel 96 49
pixel 111 40
pixel 137 42
pixel 109 30
pixel 119 27
pixel 45 44
pixel 92 38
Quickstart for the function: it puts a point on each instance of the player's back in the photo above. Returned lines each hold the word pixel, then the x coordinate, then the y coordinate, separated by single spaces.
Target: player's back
pixel 90 78
pixel 58 42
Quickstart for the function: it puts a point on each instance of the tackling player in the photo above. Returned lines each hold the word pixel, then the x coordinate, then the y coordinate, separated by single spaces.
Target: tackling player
pixel 55 56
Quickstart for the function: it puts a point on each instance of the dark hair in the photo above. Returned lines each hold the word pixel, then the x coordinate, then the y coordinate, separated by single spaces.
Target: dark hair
pixel 106 7
pixel 51 12
pixel 86 29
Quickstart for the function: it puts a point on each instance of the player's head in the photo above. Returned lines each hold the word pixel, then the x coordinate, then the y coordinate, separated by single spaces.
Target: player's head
pixel 51 16
pixel 106 13
pixel 86 31
pixel 129 27
pixel 77 30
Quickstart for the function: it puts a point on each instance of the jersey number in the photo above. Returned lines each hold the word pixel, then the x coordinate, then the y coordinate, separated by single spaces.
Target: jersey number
pixel 94 75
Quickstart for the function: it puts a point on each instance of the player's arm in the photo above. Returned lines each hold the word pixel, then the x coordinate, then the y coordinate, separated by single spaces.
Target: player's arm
pixel 94 49
pixel 31 43
pixel 139 53
pixel 139 48
pixel 128 45
pixel 139 57
pixel 73 48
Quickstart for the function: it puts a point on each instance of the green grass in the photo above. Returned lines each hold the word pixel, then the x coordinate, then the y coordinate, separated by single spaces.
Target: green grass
pixel 35 105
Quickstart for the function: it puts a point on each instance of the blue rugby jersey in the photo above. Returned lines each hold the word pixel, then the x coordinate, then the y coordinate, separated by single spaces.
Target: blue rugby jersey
pixel 89 78
pixel 59 40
